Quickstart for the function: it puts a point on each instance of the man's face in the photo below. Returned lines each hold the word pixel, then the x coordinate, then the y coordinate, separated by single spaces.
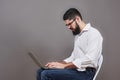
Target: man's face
pixel 73 25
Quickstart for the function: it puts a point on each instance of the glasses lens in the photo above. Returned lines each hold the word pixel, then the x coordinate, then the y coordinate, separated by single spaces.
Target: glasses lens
pixel 70 23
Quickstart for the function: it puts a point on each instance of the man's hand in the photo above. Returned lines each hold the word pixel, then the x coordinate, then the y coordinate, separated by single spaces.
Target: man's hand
pixel 60 65
pixel 56 65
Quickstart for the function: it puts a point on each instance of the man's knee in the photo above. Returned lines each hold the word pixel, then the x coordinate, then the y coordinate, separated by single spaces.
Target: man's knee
pixel 44 73
pixel 39 71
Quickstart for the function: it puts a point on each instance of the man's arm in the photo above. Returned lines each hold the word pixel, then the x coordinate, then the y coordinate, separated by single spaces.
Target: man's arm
pixel 70 65
pixel 60 65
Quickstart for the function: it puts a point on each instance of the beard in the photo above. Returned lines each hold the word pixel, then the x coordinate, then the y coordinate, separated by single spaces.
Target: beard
pixel 77 30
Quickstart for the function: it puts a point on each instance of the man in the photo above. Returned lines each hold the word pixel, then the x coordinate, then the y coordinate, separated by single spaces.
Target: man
pixel 82 63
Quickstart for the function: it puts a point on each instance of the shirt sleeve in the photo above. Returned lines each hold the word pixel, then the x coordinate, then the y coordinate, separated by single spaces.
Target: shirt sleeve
pixel 93 52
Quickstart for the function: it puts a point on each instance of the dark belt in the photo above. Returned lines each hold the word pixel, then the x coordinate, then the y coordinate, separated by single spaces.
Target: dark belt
pixel 90 68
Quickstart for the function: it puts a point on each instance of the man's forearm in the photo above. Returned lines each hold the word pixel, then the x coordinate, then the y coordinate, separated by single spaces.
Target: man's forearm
pixel 70 65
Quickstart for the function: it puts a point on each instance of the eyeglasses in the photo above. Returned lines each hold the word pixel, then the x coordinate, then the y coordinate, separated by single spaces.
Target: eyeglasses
pixel 70 23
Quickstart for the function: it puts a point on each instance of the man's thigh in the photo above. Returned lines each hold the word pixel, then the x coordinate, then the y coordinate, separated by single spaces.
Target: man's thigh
pixel 64 74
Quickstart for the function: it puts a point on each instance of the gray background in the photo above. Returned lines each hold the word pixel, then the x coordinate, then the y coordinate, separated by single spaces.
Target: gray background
pixel 37 26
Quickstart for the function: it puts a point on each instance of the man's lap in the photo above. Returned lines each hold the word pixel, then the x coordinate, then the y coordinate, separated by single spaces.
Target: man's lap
pixel 65 74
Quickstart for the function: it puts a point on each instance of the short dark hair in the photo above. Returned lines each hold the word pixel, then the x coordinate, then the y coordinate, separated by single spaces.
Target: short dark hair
pixel 71 14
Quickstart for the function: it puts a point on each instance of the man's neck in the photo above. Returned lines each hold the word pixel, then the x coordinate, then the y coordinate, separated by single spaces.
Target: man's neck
pixel 82 25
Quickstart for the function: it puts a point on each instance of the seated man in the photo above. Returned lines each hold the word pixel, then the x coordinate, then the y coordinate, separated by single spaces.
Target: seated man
pixel 82 63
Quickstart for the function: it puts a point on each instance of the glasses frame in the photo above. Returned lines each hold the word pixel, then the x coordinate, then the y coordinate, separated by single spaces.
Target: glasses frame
pixel 70 22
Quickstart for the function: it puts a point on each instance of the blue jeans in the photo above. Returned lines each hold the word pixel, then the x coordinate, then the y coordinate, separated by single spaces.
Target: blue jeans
pixel 65 74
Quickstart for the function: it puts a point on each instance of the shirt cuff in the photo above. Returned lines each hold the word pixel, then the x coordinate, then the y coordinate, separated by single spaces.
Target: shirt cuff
pixel 67 60
pixel 77 63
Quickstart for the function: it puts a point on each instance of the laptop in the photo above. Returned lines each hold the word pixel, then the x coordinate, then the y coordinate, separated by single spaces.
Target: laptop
pixel 36 61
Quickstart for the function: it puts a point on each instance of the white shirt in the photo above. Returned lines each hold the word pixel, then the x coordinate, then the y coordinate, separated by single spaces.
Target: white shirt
pixel 87 48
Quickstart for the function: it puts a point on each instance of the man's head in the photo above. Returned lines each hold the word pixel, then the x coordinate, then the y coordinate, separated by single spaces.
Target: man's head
pixel 72 18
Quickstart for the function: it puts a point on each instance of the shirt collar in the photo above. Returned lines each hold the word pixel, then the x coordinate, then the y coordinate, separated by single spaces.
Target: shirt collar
pixel 86 28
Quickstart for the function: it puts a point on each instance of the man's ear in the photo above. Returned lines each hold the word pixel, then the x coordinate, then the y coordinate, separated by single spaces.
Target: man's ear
pixel 78 20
